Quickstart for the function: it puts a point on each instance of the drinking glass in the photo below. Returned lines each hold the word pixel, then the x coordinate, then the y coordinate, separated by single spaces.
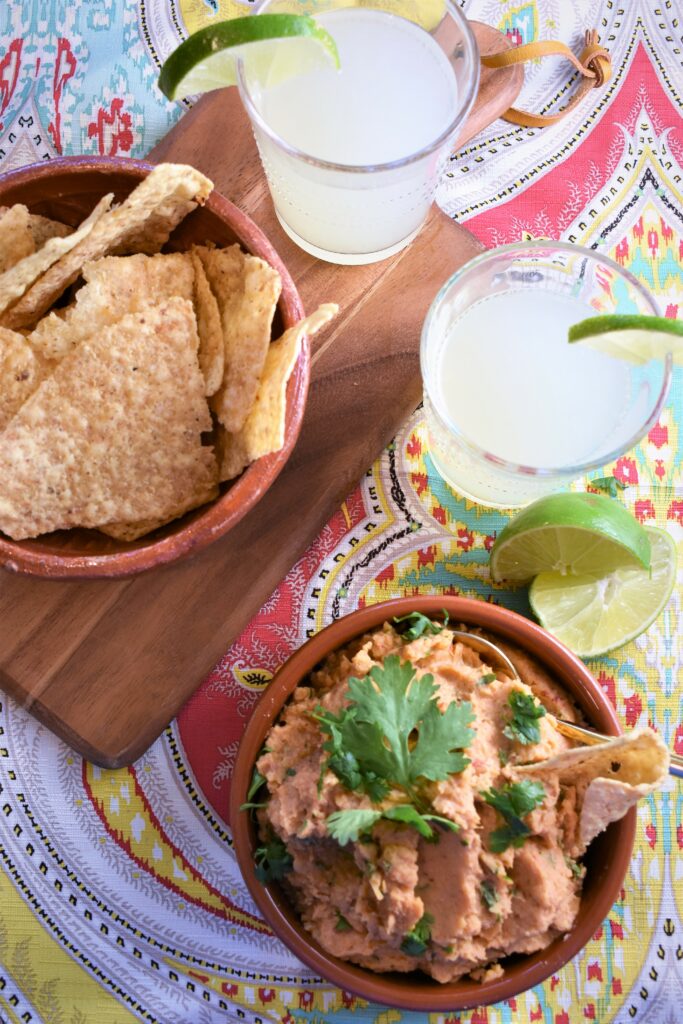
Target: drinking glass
pixel 513 410
pixel 353 157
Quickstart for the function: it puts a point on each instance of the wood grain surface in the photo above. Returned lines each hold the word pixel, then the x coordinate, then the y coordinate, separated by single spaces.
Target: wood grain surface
pixel 107 664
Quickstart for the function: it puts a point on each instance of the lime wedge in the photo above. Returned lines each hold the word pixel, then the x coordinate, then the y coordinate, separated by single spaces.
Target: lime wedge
pixel 569 534
pixel 636 339
pixel 593 613
pixel 273 47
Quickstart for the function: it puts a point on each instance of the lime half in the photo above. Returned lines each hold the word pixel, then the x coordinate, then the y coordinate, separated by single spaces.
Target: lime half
pixel 569 534
pixel 273 47
pixel 636 339
pixel 593 613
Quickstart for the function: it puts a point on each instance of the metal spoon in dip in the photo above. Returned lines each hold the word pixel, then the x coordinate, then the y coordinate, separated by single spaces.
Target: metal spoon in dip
pixel 499 659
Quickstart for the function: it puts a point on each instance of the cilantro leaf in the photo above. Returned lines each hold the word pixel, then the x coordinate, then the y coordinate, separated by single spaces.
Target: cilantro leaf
pixel 273 861
pixel 257 780
pixel 391 711
pixel 415 942
pixel 488 893
pixel 420 625
pixel 346 826
pixel 410 816
pixel 610 484
pixel 513 803
pixel 488 677
pixel 523 726
pixel 452 826
pixel 342 924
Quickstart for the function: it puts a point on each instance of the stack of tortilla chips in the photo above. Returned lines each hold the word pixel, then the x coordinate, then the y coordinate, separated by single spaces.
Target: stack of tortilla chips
pixel 106 403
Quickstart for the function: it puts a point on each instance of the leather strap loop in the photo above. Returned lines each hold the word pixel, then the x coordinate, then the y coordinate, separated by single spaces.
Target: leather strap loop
pixel 594 66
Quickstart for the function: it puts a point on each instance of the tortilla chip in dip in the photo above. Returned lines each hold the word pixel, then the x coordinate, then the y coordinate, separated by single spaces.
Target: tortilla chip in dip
pixel 114 434
pixel 142 223
pixel 609 777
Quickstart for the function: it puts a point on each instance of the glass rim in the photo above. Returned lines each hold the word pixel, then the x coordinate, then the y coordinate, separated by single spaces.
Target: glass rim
pixel 471 54
pixel 516 468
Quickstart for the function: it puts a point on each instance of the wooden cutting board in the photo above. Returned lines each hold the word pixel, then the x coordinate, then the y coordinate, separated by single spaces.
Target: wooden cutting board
pixel 107 664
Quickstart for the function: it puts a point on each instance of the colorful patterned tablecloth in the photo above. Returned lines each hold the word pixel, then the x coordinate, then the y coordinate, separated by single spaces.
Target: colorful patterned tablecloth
pixel 120 899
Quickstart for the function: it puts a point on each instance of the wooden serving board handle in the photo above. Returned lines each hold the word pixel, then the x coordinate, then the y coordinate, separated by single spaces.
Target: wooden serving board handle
pixel 107 664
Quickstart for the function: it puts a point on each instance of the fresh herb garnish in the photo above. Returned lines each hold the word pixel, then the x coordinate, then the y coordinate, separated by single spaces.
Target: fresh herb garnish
pixel 610 484
pixel 503 758
pixel 420 625
pixel 342 924
pixel 574 867
pixel 273 861
pixel 415 942
pixel 349 826
pixel 257 780
pixel 488 893
pixel 523 726
pixel 488 677
pixel 393 735
pixel 513 802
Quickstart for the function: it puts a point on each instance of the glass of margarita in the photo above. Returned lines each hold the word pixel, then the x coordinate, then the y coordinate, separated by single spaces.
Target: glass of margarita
pixel 353 156
pixel 513 410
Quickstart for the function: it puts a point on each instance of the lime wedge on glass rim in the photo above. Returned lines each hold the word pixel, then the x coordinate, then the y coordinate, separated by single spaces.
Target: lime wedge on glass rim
pixel 570 534
pixel 632 337
pixel 274 46
pixel 594 613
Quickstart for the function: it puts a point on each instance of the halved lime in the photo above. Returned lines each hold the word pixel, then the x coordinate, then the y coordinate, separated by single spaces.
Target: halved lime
pixel 569 534
pixel 634 338
pixel 273 46
pixel 594 613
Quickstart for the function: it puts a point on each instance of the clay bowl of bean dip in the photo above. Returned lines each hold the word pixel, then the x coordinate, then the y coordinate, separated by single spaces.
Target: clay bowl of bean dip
pixel 417 831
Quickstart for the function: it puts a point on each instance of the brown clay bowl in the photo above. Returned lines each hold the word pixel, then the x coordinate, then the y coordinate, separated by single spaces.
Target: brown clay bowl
pixel 607 858
pixel 68 189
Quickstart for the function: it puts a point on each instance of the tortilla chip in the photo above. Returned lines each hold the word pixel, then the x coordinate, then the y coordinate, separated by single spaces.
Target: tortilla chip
pixel 264 429
pixel 15 282
pixel 21 372
pixel 16 238
pixel 211 351
pixel 115 286
pixel 114 434
pixel 43 229
pixel 142 223
pixel 611 777
pixel 133 531
pixel 247 290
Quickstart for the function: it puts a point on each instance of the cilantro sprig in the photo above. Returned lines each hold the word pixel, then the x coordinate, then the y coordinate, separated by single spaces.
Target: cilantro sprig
pixel 348 826
pixel 488 893
pixel 523 725
pixel 610 484
pixel 513 803
pixel 416 941
pixel 273 861
pixel 392 735
pixel 257 781
pixel 420 625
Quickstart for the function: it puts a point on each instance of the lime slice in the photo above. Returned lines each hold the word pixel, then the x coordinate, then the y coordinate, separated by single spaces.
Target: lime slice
pixel 273 46
pixel 636 339
pixel 569 534
pixel 592 614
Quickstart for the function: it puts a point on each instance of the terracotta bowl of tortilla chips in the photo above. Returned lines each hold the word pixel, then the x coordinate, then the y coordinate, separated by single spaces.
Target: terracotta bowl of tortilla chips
pixel 606 860
pixel 67 190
